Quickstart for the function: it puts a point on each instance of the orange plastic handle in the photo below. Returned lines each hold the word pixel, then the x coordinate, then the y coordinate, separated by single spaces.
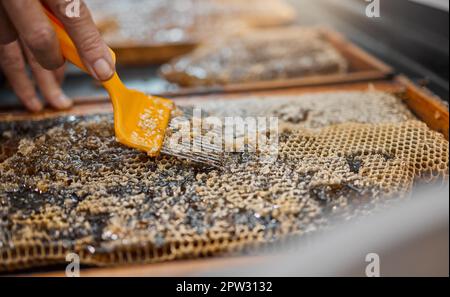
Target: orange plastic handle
pixel 68 48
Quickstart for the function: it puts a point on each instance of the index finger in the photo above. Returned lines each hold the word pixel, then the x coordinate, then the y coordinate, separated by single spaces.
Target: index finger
pixel 79 25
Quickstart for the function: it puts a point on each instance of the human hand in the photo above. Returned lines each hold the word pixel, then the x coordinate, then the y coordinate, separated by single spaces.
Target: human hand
pixel 27 37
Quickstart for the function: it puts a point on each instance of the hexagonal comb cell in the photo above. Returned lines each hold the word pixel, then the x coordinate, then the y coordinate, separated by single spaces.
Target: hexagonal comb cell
pixel 66 185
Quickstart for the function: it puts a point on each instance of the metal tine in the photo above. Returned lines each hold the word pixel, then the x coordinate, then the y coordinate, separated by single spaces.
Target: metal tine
pixel 197 158
pixel 212 160
pixel 211 153
pixel 199 141
pixel 187 150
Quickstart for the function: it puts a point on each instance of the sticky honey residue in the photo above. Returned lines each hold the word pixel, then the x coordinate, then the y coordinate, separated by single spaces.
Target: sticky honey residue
pixel 151 126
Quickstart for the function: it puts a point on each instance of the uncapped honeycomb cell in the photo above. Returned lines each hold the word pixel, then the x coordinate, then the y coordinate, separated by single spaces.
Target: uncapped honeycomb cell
pixel 257 55
pixel 67 186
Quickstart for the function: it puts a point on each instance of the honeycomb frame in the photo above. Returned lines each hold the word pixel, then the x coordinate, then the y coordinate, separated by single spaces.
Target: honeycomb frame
pixel 324 181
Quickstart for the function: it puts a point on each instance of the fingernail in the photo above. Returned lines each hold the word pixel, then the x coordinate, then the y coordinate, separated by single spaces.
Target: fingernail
pixel 102 69
pixel 64 102
pixel 35 105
